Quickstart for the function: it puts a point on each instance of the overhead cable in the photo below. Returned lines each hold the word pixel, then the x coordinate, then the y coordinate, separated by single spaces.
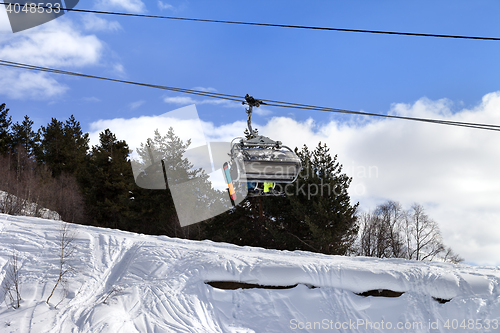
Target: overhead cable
pixel 276 25
pixel 58 71
pixel 237 98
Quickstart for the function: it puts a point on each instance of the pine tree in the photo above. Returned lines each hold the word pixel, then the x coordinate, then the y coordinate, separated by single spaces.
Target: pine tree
pixel 52 147
pixel 323 203
pixel 156 207
pixel 24 136
pixel 64 146
pixel 76 146
pixel 24 144
pixel 153 202
pixel 108 181
pixel 5 136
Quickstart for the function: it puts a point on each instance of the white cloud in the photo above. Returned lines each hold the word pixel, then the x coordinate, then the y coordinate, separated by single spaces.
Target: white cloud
pixel 57 44
pixel 24 84
pixel 186 100
pixel 262 111
pixel 205 89
pixel 92 99
pixel 93 22
pixel 136 105
pixel 179 100
pixel 134 6
pixel 119 69
pixel 164 6
pixel 137 130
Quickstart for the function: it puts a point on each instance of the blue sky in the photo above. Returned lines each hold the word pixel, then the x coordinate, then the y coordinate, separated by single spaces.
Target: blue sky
pixel 338 69
pixel 451 171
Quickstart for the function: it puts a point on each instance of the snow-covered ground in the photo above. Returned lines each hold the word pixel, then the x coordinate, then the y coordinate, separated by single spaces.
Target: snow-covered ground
pixel 162 287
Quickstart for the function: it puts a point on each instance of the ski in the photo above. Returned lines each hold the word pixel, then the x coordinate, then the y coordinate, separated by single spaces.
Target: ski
pixel 229 181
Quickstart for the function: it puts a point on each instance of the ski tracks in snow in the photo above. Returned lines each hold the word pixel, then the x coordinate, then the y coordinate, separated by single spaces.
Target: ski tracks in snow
pixel 110 257
pixel 172 311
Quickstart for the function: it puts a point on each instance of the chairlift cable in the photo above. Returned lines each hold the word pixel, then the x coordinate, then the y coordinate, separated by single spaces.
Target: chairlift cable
pixel 181 90
pixel 239 99
pixel 435 121
pixel 275 25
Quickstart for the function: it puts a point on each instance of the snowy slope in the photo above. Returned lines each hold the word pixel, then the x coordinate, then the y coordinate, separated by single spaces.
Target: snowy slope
pixel 164 290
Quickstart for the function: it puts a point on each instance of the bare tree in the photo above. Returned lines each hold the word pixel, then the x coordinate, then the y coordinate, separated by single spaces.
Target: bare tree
pixel 11 283
pixel 10 204
pixel 21 181
pixel 452 257
pixel 381 232
pixel 67 249
pixel 366 238
pixel 423 237
pixel 392 232
pixel 30 188
pixel 373 236
pixel 64 197
pixel 392 218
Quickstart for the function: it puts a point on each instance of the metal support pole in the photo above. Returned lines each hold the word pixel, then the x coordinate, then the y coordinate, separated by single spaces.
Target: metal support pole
pixel 249 121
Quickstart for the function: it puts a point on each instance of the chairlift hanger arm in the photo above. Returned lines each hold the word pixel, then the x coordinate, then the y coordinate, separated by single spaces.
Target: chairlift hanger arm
pixel 255 139
pixel 251 102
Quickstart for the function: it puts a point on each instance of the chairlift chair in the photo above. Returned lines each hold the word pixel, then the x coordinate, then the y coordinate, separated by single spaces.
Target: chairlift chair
pixel 258 163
